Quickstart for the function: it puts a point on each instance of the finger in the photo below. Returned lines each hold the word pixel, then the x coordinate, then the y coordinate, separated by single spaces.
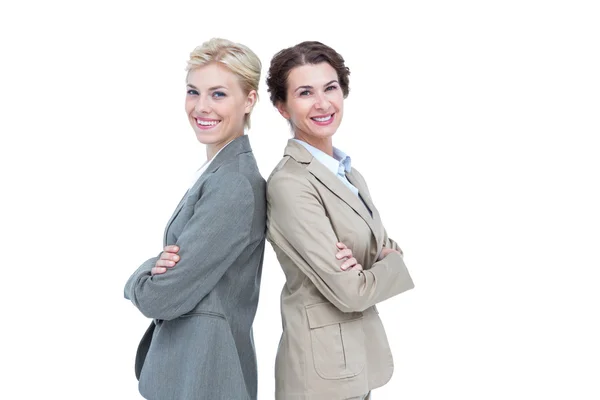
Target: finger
pixel 169 256
pixel 341 245
pixel 357 267
pixel 344 253
pixel 158 270
pixel 172 248
pixel 348 263
pixel 165 263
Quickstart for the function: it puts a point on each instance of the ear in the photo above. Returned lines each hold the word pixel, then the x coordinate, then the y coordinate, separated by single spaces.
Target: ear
pixel 250 101
pixel 282 110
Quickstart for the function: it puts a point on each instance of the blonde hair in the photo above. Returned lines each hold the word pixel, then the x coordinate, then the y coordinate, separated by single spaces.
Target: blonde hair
pixel 236 57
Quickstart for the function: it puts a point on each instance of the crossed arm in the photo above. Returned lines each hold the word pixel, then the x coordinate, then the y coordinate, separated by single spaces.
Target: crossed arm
pixel 299 226
pixel 214 237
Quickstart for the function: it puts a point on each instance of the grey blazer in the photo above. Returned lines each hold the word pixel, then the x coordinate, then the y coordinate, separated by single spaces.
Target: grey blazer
pixel 202 345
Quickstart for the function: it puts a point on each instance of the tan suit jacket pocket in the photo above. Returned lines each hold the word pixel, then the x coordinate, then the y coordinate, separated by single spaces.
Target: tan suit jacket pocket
pixel 337 341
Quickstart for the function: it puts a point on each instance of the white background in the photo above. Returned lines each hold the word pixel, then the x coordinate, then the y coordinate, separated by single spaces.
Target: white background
pixel 475 123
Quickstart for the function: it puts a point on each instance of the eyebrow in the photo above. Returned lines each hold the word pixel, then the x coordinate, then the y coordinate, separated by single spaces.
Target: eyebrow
pixel 209 89
pixel 310 87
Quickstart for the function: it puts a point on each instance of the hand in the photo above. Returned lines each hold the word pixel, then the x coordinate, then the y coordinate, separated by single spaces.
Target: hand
pixel 168 259
pixel 345 253
pixel 385 251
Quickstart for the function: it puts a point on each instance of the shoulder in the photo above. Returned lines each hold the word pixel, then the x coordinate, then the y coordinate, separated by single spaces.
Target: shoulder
pixel 288 174
pixel 287 163
pixel 227 184
pixel 290 183
pixel 243 165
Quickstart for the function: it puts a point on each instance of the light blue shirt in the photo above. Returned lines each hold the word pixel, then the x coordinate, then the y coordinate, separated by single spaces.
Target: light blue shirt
pixel 339 164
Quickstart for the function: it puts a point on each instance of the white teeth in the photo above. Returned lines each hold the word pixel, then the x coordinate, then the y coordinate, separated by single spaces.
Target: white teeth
pixel 323 119
pixel 207 123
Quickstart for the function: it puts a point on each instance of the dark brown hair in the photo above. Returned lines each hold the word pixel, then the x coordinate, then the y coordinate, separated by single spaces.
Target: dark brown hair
pixel 302 54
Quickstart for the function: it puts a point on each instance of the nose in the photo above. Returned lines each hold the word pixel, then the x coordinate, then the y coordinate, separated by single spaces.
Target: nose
pixel 322 102
pixel 202 105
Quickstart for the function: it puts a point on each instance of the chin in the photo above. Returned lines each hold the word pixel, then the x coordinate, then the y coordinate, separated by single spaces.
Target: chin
pixel 207 139
pixel 323 134
pixel 325 131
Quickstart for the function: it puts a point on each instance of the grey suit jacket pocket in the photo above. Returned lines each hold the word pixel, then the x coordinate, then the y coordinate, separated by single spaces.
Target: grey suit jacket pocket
pixel 201 313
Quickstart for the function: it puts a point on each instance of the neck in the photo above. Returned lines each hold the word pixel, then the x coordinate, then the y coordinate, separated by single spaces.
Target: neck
pixel 323 144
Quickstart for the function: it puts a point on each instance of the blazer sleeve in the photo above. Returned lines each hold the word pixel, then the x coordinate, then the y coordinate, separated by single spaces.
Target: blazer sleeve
pixel 142 270
pixel 299 226
pixel 216 235
pixel 391 244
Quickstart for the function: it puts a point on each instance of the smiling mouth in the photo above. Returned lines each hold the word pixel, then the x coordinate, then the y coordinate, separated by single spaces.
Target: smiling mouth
pixel 206 124
pixel 323 120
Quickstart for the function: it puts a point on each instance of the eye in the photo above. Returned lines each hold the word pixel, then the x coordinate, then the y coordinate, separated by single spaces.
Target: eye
pixel 331 87
pixel 305 93
pixel 219 94
pixel 192 92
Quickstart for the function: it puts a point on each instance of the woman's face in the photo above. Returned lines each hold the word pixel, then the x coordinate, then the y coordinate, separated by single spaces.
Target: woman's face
pixel 216 104
pixel 315 102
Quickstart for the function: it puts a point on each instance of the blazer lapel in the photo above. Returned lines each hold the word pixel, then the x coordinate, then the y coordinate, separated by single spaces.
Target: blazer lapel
pixel 336 186
pixel 333 183
pixel 364 194
pixel 175 213
pixel 234 148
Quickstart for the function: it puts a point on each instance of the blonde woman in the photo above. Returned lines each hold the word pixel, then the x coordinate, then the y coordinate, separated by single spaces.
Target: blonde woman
pixel 202 290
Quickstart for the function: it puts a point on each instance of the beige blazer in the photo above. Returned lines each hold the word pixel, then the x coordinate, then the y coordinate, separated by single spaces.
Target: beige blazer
pixel 333 344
